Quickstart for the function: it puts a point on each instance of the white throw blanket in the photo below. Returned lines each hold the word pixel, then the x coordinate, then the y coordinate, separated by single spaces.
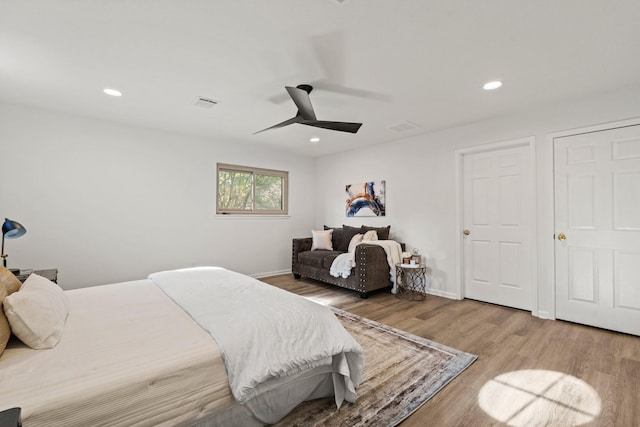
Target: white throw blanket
pixel 265 334
pixel 343 263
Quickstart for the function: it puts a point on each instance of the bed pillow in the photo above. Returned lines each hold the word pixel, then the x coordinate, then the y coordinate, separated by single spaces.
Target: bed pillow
pixel 354 241
pixel 5 329
pixel 383 232
pixel 10 282
pixel 321 239
pixel 8 285
pixel 38 312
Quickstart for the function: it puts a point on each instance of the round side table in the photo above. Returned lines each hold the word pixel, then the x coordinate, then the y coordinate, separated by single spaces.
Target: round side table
pixel 411 282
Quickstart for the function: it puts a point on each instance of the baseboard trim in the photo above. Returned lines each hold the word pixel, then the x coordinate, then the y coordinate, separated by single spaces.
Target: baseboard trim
pixel 270 273
pixel 444 294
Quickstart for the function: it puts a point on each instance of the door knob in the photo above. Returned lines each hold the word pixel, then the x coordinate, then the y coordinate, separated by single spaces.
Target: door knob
pixel 466 232
pixel 562 237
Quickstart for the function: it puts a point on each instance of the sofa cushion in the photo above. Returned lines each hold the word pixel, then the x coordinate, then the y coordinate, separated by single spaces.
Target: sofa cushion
pixel 337 237
pixel 347 233
pixel 329 257
pixel 312 258
pixel 383 232
pixel 342 236
pixel 320 259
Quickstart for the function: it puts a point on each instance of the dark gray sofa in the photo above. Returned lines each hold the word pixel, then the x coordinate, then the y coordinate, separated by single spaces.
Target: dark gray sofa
pixel 370 273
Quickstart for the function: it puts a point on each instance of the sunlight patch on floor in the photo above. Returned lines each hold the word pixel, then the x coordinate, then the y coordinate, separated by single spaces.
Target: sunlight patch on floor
pixel 539 398
pixel 324 300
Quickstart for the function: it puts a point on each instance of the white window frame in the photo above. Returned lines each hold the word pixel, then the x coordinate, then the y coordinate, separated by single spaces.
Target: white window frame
pixel 253 170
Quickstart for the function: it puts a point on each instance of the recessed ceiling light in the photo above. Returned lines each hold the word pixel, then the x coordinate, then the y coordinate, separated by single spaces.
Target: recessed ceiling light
pixel 112 92
pixel 492 85
pixel 314 139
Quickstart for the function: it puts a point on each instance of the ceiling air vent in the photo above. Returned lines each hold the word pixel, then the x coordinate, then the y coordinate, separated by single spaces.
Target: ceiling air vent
pixel 203 102
pixel 403 127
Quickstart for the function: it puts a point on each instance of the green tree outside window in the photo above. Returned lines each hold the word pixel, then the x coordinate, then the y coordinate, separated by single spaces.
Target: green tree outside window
pixel 247 190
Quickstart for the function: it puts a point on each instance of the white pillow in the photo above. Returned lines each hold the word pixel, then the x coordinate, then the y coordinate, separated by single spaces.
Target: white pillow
pixel 322 239
pixel 37 312
pixel 357 238
pixel 370 235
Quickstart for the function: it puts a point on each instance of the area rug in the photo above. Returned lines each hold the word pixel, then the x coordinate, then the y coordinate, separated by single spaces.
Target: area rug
pixel 402 371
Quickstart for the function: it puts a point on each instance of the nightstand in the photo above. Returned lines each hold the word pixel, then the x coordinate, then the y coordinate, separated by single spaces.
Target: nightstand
pixel 51 274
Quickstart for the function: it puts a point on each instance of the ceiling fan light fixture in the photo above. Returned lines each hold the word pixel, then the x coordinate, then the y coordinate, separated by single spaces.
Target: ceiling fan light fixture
pixel 495 84
pixel 306 115
pixel 112 92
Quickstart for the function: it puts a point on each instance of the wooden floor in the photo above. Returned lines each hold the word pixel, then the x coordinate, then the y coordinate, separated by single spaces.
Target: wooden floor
pixel 528 370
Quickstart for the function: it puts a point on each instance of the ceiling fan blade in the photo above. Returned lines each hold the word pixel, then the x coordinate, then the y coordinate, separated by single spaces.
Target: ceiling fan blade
pixel 339 126
pixel 303 102
pixel 291 121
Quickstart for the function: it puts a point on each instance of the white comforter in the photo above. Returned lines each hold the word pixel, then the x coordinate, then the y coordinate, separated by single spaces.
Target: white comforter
pixel 343 263
pixel 265 334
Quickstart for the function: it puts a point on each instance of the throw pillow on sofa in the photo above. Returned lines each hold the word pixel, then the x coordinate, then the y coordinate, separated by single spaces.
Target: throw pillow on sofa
pixel 383 232
pixel 337 237
pixel 321 239
pixel 348 233
pixel 342 236
pixel 370 236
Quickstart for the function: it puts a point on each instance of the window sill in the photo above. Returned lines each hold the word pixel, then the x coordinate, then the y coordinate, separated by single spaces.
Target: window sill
pixel 250 216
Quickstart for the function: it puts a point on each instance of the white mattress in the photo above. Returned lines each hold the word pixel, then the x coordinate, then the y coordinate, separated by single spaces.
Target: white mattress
pixel 128 356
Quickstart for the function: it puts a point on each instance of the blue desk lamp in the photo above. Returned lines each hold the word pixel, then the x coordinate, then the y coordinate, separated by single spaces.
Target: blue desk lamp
pixel 10 230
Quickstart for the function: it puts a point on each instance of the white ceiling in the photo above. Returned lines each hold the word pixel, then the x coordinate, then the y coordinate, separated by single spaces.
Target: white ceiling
pixel 379 62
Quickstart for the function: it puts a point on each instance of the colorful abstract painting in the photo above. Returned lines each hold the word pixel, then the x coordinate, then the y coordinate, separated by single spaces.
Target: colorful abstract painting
pixel 366 199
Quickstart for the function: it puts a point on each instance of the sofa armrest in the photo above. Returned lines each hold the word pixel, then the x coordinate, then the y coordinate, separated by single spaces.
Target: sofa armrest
pixel 300 245
pixel 372 268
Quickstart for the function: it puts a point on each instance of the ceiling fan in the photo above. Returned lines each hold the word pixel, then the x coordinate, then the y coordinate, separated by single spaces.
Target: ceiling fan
pixel 306 115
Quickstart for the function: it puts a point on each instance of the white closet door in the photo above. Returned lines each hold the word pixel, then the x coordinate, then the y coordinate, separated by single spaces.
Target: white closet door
pixel 597 225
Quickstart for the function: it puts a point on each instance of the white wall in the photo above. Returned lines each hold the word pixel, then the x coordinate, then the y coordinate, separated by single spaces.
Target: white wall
pixel 102 201
pixel 420 182
pixel 105 202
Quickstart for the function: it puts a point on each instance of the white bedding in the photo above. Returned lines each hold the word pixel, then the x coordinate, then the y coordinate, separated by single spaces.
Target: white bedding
pixel 131 356
pixel 128 356
pixel 283 335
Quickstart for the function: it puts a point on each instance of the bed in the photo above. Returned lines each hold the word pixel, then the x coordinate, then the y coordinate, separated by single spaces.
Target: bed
pixel 143 353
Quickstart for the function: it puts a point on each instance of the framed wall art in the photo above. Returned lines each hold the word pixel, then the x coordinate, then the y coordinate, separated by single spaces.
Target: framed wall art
pixel 366 199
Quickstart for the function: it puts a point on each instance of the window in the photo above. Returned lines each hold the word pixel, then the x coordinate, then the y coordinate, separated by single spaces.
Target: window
pixel 247 190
